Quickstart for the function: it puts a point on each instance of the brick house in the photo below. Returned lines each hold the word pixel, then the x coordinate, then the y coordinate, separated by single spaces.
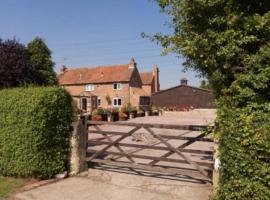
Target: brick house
pixel 182 96
pixel 109 86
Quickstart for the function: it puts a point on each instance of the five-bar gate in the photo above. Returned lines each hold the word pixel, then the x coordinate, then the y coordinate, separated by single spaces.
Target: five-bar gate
pixel 170 149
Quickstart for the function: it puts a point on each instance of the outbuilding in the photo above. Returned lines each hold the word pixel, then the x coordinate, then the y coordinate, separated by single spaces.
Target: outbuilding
pixel 183 96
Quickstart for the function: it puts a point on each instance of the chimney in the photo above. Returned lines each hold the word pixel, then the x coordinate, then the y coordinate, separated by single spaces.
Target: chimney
pixel 184 81
pixel 132 64
pixel 156 78
pixel 63 69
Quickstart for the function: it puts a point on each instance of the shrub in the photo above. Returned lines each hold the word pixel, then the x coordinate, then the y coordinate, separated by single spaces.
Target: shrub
pixel 244 152
pixel 154 110
pixel 34 131
pixel 140 112
pixel 122 116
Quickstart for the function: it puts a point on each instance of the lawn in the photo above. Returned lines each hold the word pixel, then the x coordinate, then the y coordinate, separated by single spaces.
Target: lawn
pixel 9 185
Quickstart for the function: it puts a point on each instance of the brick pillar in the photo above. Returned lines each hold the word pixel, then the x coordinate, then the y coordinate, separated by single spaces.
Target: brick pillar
pixel 156 78
pixel 78 144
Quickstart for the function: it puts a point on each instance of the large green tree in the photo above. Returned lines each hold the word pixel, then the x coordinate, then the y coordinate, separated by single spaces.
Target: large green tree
pixel 41 60
pixel 219 38
pixel 15 65
pixel 228 42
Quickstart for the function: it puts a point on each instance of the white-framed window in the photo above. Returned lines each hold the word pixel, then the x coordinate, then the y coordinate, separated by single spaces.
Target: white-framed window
pixel 98 102
pixel 117 102
pixel 89 87
pixel 117 86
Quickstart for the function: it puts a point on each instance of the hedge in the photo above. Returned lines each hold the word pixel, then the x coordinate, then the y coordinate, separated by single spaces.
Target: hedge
pixel 34 131
pixel 244 135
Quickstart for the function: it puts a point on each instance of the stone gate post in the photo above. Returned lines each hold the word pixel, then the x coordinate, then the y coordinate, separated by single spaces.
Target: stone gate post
pixel 78 144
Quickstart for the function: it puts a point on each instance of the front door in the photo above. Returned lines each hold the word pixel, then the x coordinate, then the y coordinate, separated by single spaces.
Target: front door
pixel 84 104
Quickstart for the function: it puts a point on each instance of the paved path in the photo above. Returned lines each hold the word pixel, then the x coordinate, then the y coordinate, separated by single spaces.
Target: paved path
pixel 111 183
pixel 106 185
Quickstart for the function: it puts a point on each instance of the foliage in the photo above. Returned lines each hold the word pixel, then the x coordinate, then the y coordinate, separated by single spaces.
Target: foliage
pixel 15 65
pixel 98 111
pixel 228 43
pixel 40 56
pixel 154 109
pixel 34 131
pixel 122 116
pixel 124 109
pixel 244 152
pixel 219 39
pixel 205 85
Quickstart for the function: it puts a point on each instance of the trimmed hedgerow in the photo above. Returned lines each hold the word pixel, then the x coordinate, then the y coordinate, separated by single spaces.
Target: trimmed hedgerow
pixel 244 153
pixel 34 131
pixel 244 134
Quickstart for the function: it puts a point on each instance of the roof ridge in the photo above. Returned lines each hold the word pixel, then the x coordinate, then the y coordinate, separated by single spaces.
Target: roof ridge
pixel 194 87
pixel 95 67
pixel 146 72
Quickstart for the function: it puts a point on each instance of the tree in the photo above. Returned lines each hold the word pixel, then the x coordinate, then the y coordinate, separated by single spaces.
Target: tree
pixel 15 65
pixel 205 85
pixel 228 42
pixel 219 39
pixel 40 56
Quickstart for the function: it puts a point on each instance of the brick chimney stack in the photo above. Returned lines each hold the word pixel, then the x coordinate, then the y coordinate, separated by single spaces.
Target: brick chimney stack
pixel 156 78
pixel 132 64
pixel 184 81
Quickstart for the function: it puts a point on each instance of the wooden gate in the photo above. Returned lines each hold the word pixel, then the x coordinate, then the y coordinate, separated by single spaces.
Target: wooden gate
pixel 170 149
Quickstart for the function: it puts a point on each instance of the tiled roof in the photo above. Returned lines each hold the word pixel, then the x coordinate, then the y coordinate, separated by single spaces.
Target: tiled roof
pixel 100 74
pixel 140 92
pixel 147 78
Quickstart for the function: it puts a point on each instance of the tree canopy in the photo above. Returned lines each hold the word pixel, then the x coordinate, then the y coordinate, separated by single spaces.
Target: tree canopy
pixel 205 85
pixel 21 66
pixel 219 39
pixel 15 65
pixel 40 56
pixel 228 42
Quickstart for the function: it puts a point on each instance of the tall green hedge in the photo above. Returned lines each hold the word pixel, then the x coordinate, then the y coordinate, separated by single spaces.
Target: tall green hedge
pixel 244 134
pixel 34 131
pixel 244 153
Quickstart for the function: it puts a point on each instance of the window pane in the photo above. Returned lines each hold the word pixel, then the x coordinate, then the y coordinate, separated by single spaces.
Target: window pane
pixel 115 102
pixel 89 87
pixel 115 86
pixel 119 102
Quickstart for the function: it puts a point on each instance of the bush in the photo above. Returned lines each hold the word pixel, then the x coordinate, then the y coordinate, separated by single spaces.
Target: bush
pixel 244 152
pixel 122 116
pixel 34 131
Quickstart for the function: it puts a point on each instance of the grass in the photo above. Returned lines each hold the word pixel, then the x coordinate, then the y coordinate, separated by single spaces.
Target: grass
pixel 9 185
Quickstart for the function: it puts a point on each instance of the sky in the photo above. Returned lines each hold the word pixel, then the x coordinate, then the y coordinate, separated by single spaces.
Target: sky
pixel 83 33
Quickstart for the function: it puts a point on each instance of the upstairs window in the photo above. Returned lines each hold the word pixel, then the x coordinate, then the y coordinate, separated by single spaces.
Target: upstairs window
pixel 117 86
pixel 89 87
pixel 117 102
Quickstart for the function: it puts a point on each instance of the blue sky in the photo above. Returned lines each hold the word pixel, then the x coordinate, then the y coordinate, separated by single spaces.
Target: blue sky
pixel 94 32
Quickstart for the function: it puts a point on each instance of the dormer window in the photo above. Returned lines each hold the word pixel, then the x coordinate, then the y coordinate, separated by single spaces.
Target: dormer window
pixel 117 86
pixel 89 87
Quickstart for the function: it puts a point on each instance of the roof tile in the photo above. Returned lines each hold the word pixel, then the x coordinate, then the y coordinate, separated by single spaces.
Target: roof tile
pixel 147 78
pixel 100 74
